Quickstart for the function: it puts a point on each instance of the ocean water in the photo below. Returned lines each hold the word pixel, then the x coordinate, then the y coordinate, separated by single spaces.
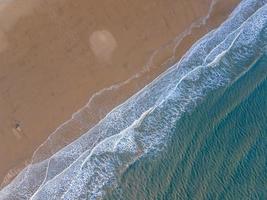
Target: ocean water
pixel 218 151
pixel 199 131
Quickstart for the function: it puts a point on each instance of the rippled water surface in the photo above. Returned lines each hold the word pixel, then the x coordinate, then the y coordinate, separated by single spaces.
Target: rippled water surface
pixel 199 131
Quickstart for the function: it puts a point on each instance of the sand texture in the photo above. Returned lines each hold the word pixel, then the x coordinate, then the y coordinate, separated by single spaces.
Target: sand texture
pixel 54 55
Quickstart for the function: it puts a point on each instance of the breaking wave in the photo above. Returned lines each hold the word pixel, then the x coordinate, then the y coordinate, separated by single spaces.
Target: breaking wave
pixel 141 126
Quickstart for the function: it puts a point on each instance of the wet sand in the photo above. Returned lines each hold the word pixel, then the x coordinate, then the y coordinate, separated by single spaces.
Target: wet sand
pixel 55 55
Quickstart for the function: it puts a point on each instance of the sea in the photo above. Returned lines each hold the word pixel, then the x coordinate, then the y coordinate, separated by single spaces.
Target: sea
pixel 198 131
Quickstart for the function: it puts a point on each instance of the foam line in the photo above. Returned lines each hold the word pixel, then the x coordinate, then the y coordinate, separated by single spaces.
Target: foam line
pixel 180 82
pixel 132 129
pixel 114 87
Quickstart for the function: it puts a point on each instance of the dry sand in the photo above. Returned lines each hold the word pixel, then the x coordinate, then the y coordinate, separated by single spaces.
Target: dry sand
pixel 54 55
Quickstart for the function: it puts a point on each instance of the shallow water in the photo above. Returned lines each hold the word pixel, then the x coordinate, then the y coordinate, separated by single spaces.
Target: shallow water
pixel 196 132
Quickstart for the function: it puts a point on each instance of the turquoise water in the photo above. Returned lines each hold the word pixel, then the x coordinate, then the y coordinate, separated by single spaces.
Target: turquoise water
pixel 219 151
pixel 198 131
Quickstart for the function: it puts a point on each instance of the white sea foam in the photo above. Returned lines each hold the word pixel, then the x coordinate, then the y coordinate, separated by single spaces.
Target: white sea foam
pixel 83 117
pixel 141 125
pixel 81 120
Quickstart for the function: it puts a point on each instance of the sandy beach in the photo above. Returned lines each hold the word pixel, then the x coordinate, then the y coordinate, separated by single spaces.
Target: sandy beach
pixel 55 55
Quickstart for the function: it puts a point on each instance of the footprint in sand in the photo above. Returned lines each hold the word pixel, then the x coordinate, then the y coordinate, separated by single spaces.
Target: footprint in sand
pixel 103 44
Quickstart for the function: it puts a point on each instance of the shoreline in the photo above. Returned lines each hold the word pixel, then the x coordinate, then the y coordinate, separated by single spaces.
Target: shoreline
pixel 155 70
